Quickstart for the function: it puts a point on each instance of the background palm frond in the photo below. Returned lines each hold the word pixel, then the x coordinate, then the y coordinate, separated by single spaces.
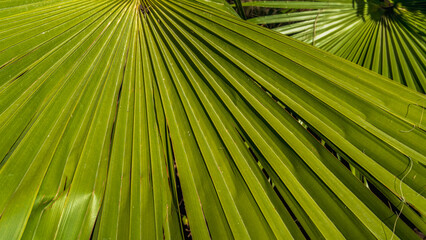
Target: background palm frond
pixel 388 38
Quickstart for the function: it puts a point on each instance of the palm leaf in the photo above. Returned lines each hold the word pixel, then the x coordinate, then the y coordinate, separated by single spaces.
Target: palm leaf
pixel 388 39
pixel 111 110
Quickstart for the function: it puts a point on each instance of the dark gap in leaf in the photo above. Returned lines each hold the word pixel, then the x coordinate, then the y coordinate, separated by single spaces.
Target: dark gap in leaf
pixel 394 209
pixel 172 167
pixel 281 198
pixel 329 148
pixel 305 234
pixel 382 197
pixel 184 218
pixel 115 116
pixel 173 180
pixel 18 140
pixel 255 152
pixel 65 183
pixel 345 163
pixel 414 210
pixel 313 134
pixel 95 229
pixel 112 135
pixel 182 209
pixel 20 75
pixel 295 116
pixel 349 164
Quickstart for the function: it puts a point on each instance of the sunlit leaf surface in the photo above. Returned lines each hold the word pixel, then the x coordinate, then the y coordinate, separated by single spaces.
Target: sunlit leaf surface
pixel 144 119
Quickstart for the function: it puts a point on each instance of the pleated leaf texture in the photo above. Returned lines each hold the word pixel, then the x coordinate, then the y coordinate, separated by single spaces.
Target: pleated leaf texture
pixel 384 36
pixel 143 119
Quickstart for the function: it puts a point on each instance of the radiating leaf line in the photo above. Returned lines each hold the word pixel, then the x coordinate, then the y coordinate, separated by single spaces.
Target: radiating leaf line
pixel 125 110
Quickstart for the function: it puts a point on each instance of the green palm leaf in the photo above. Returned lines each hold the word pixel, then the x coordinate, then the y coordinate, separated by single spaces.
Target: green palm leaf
pixel 110 110
pixel 386 38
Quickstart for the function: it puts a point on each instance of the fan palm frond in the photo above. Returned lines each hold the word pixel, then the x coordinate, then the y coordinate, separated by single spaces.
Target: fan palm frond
pixel 113 111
